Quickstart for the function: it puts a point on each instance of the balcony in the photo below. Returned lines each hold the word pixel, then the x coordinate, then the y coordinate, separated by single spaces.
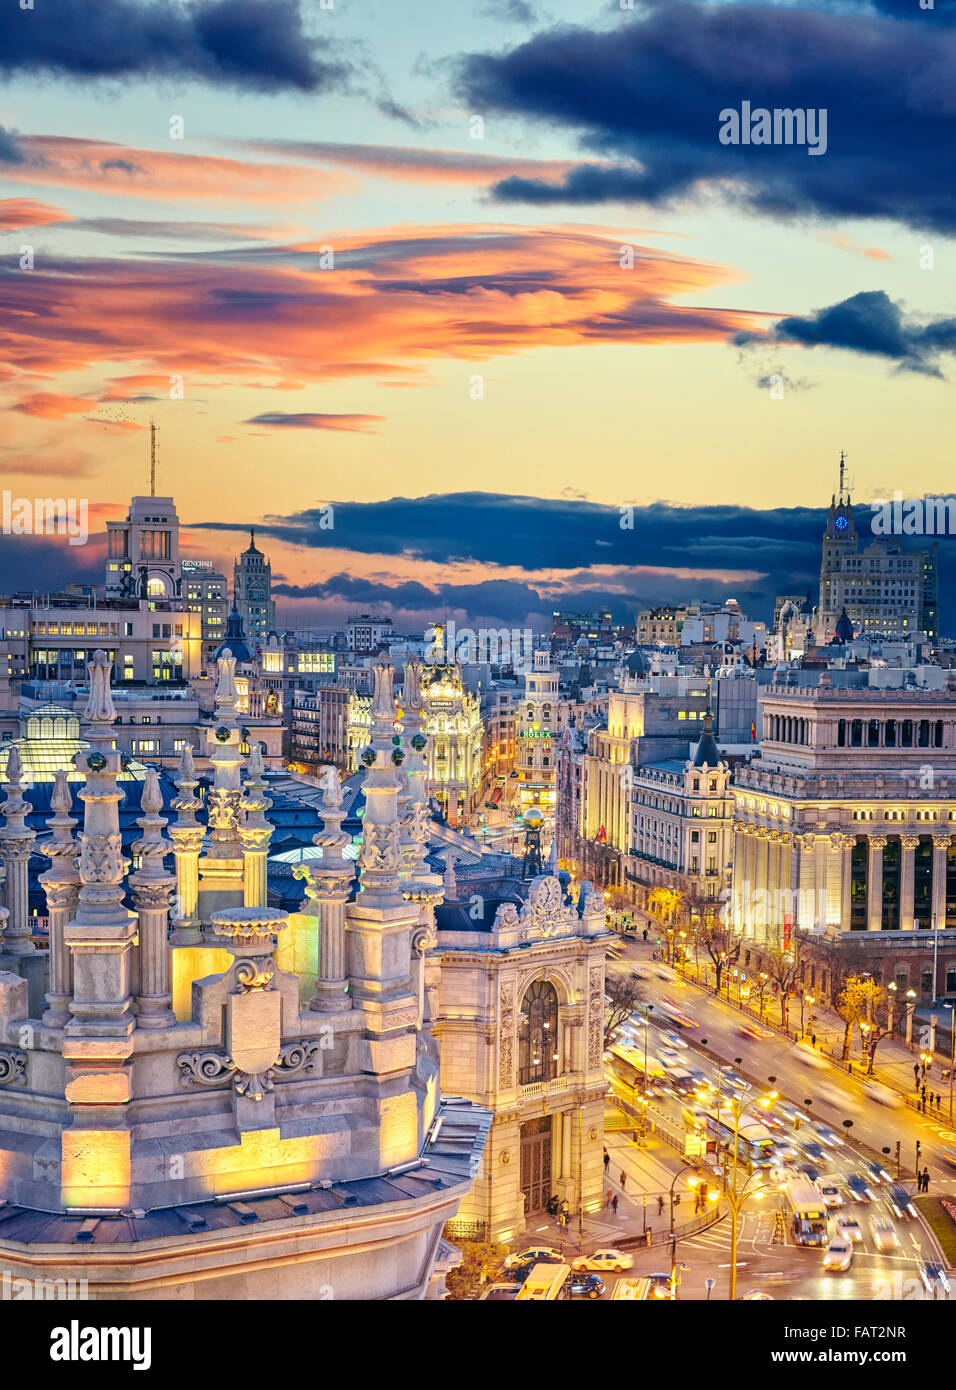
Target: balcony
pixel 545 1088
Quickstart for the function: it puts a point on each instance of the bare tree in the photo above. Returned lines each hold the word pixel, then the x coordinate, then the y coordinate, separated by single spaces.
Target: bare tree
pixel 721 943
pixel 782 967
pixel 622 994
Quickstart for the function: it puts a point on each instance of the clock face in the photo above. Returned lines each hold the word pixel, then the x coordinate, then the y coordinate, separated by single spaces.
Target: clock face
pixel 841 523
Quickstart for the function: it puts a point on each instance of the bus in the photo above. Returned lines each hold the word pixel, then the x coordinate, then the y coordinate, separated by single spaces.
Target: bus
pixel 627 1063
pixel 756 1146
pixel 808 1213
pixel 544 1284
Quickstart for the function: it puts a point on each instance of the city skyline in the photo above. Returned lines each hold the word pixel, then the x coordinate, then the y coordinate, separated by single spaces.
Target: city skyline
pixel 324 263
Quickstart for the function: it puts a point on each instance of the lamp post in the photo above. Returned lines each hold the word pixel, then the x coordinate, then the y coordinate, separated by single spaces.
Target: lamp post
pixel 952 1060
pixel 738 1195
pixel 811 1000
pixel 910 1006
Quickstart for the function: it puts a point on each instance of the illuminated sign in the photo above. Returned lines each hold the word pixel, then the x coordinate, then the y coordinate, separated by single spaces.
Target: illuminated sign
pixel 188 565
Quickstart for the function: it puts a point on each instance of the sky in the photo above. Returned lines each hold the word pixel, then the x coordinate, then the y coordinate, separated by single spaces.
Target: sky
pixel 464 304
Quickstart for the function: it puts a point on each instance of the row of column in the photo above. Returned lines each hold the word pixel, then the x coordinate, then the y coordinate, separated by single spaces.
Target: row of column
pixel 808 878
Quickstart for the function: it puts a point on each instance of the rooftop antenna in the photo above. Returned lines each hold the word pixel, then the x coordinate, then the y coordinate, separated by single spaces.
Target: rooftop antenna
pixel 842 470
pixel 152 458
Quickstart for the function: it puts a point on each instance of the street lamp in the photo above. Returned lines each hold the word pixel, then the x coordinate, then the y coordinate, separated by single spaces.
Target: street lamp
pixel 738 1195
pixel 952 1061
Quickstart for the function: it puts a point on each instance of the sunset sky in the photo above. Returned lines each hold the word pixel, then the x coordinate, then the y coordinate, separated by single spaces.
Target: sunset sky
pixel 368 306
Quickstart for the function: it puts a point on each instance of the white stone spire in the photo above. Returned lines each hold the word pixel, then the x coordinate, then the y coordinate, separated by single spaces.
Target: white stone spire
pixel 328 883
pixel 16 844
pixel 380 859
pixel 152 885
pixel 416 818
pixel 61 884
pixel 255 832
pixel 187 836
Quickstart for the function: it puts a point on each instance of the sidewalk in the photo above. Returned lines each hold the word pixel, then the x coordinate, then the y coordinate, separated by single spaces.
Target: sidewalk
pixel 649 1173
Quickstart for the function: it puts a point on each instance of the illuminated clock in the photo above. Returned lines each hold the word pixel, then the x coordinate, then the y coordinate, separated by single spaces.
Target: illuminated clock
pixel 841 523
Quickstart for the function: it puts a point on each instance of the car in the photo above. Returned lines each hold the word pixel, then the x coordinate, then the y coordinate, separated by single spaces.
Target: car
pixel 837 1098
pixel 753 1030
pixel 830 1192
pixel 901 1202
pixel 811 1172
pixel 699 1076
pixel 755 1295
pixel 884 1234
pixel 858 1189
pixel 948 1156
pixel 786 1151
pixel 878 1172
pixel 535 1255
pixel 810 1057
pixel 675 1040
pixel 882 1094
pixel 849 1226
pixel 809 1146
pixel 502 1291
pixel 839 1254
pixel 668 1055
pixel 582 1285
pixel 936 1274
pixel 603 1260
pixel 829 1136
pixel 661 1286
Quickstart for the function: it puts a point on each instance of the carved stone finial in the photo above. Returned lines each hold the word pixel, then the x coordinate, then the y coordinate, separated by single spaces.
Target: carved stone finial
pixel 331 788
pixel 99 707
pixel 187 768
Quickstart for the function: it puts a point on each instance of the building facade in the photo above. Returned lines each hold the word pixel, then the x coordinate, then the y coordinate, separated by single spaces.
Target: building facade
pixel 520 1021
pixel 252 592
pixel 846 824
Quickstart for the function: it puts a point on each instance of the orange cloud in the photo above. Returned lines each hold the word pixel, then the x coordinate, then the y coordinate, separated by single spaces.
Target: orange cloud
pixel 28 212
pixel 396 301
pixel 49 406
pixel 102 166
pixel 414 164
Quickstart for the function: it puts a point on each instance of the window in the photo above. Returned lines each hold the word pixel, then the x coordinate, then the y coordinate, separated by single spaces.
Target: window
pixel 538 1034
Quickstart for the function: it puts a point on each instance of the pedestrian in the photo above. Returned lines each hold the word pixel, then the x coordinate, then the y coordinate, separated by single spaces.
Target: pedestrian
pixel 923 1093
pixel 925 1179
pixel 660 1205
pixel 645 933
pixel 939 1101
pixel 623 1179
pixel 916 1073
pixel 813 1039
pixel 607 1160
pixel 614 1202
pixel 607 1199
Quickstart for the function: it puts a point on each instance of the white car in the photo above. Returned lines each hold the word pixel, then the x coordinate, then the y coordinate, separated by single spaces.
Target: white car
pixel 849 1227
pixel 839 1254
pixel 604 1260
pixel 810 1056
pixel 830 1192
pixel 674 1039
pixel 882 1094
pixel 884 1234
pixel 837 1098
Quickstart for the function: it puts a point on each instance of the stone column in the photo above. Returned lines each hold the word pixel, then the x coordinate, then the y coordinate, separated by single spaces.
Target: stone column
pixel 328 884
pixel 151 886
pixel 414 825
pixel 187 836
pixel 61 883
pixel 821 850
pixel 255 833
pixel 793 880
pixel 97 1042
pixel 761 859
pixel 875 845
pixel 846 886
pixel 941 844
pixel 908 845
pixel 221 876
pixel 16 844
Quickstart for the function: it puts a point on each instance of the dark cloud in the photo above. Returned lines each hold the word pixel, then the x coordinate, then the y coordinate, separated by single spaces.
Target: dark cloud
pixel 511 11
pixel 255 44
pixel 10 152
pixel 645 97
pixel 304 420
pixel 869 323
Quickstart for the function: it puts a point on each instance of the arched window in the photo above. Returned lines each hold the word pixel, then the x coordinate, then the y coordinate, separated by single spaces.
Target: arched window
pixel 538 1034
